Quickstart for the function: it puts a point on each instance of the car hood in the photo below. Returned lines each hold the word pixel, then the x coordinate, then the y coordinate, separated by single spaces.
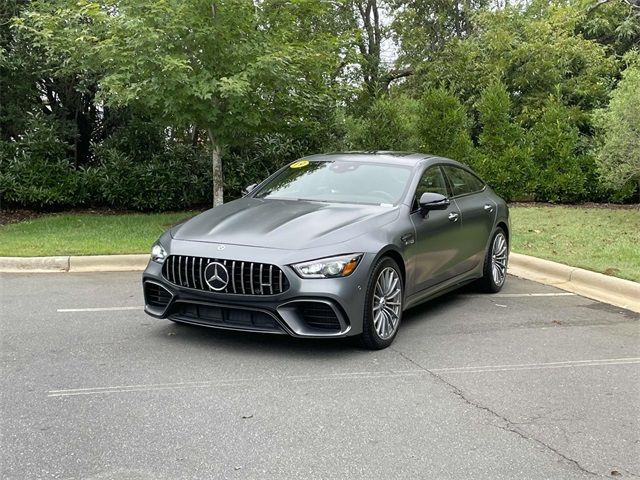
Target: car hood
pixel 283 224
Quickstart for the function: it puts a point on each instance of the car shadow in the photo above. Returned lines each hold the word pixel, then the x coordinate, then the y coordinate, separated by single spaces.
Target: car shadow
pixel 424 311
pixel 195 336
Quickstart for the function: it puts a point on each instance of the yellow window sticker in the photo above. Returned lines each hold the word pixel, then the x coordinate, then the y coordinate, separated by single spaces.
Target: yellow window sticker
pixel 299 164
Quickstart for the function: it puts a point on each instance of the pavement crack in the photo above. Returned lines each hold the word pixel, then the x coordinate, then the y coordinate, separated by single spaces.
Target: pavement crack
pixel 507 425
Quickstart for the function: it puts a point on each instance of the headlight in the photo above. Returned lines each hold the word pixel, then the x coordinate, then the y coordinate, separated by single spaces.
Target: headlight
pixel 332 267
pixel 158 253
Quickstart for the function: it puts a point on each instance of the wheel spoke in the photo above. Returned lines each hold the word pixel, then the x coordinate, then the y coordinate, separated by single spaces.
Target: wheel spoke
pixel 383 324
pixel 394 294
pixel 376 321
pixel 392 286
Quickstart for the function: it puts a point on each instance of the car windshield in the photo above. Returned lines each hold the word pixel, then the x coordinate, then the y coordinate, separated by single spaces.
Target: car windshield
pixel 339 181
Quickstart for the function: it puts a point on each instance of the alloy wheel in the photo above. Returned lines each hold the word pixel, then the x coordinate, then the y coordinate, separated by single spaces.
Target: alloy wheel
pixel 499 259
pixel 387 303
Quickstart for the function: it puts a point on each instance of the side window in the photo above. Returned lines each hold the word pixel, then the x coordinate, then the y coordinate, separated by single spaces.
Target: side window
pixel 461 181
pixel 432 180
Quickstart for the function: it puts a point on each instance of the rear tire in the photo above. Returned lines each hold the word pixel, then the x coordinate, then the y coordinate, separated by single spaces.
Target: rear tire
pixel 494 271
pixel 383 305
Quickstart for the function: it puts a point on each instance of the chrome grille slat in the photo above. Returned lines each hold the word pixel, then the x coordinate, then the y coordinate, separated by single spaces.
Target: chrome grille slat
pixel 242 276
pixel 233 276
pixel 206 285
pixel 188 271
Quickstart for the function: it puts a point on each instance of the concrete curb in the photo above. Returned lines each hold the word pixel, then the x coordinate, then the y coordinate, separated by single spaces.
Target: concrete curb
pixel 89 263
pixel 612 290
pixel 615 291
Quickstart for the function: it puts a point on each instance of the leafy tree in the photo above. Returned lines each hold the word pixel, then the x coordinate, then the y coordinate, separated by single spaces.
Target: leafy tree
pixel 423 27
pixel 443 126
pixel 619 156
pixel 562 169
pixel 504 158
pixel 389 124
pixel 532 50
pixel 213 65
pixel 615 23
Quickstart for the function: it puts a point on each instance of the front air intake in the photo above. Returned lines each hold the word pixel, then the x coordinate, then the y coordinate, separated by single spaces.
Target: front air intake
pixel 156 296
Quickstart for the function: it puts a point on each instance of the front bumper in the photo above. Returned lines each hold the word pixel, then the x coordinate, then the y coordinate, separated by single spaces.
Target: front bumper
pixel 308 308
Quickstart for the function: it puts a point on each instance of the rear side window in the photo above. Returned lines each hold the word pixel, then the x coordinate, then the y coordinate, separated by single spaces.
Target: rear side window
pixel 462 182
pixel 432 180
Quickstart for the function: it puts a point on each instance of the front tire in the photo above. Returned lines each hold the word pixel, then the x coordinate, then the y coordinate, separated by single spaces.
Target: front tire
pixel 383 305
pixel 494 272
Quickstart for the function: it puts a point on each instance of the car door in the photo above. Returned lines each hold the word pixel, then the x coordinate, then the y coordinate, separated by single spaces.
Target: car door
pixel 432 258
pixel 477 213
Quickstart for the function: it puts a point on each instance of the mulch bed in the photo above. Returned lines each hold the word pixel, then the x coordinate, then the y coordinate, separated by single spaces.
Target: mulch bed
pixel 8 216
pixel 15 216
pixel 20 214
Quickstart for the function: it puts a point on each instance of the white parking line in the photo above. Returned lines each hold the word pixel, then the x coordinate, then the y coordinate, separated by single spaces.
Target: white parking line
pixel 538 366
pixel 349 376
pixel 98 309
pixel 515 295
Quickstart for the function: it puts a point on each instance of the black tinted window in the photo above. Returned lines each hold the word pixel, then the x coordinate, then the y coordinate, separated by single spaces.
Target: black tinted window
pixel 462 181
pixel 432 180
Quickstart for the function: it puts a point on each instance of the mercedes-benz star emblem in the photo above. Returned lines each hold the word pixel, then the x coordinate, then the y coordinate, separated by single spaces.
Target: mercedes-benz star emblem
pixel 221 247
pixel 216 276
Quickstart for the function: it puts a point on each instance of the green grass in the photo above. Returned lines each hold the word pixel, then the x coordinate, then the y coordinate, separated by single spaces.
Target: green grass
pixel 86 234
pixel 600 239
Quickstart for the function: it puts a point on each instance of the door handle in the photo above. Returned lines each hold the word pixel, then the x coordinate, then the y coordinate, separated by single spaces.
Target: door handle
pixel 488 208
pixel 408 239
pixel 453 216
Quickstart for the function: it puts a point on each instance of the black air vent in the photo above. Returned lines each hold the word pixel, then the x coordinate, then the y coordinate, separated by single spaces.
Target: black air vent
pixel 156 296
pixel 319 315
pixel 226 317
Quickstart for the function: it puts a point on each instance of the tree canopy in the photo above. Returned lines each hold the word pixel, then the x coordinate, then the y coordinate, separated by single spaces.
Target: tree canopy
pixel 538 96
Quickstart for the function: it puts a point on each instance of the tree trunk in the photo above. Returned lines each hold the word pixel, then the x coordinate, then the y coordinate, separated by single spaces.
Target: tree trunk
pixel 216 170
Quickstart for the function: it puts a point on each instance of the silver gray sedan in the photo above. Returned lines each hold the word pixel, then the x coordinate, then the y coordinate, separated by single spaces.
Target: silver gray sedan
pixel 333 245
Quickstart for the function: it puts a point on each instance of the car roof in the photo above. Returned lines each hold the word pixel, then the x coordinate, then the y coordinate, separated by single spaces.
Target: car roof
pixel 380 156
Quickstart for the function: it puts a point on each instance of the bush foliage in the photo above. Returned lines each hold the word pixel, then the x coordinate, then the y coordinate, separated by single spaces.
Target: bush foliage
pixel 118 107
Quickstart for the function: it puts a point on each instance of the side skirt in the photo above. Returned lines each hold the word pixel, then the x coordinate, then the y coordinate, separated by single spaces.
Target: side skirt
pixel 442 288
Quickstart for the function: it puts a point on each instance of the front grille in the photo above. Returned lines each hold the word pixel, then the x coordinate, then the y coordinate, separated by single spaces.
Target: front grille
pixel 228 317
pixel 156 296
pixel 244 278
pixel 319 315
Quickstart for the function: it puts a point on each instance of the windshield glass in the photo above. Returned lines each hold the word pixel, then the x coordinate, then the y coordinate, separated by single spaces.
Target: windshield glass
pixel 338 181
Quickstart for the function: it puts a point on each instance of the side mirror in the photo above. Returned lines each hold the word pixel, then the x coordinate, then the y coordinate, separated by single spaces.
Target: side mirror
pixel 248 189
pixel 433 201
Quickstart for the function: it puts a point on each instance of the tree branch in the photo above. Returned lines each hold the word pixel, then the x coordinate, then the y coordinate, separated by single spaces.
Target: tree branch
pixel 393 75
pixel 599 3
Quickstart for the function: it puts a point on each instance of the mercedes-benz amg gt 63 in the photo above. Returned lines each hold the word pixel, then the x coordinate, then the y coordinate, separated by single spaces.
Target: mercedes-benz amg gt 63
pixel 333 245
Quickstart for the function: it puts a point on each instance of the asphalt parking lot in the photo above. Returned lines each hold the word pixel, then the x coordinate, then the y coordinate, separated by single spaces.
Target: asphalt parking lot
pixel 531 383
